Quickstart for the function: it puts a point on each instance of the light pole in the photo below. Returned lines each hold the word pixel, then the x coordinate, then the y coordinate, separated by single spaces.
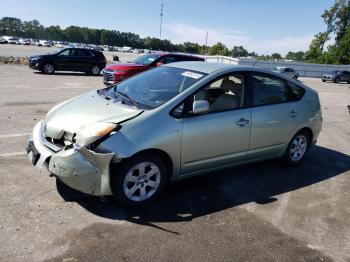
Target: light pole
pixel 161 19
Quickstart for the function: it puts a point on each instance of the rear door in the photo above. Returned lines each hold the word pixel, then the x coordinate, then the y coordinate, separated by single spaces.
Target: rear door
pixel 275 115
pixel 82 59
pixel 345 76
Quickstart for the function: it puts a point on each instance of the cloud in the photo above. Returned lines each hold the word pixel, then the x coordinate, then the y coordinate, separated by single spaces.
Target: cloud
pixel 179 33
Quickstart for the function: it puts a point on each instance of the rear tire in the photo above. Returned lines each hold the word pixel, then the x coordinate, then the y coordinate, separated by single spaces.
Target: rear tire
pixel 94 70
pixel 337 80
pixel 138 181
pixel 323 80
pixel 48 68
pixel 297 149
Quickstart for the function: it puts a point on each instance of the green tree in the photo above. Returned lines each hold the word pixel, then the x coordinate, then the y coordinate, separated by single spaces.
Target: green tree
pixel 239 51
pixel 11 26
pixel 296 56
pixel 315 52
pixel 276 56
pixel 218 49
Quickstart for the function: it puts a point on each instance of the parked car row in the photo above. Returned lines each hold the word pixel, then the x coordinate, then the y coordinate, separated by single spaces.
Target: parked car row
pixel 64 44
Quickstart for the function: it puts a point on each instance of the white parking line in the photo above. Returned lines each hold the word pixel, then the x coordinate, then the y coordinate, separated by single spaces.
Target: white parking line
pixel 22 153
pixel 14 135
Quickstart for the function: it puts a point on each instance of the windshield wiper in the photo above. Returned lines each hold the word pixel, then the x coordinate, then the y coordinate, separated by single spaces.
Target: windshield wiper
pixel 134 102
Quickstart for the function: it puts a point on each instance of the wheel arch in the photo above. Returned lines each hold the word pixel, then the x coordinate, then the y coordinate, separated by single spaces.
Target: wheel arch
pixel 48 62
pixel 162 154
pixel 308 130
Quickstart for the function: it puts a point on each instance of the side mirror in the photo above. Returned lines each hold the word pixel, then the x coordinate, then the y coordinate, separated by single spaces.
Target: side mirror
pixel 160 64
pixel 200 107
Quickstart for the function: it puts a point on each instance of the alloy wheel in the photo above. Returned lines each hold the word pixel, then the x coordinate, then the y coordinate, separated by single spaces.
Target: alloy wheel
pixel 95 70
pixel 298 148
pixel 142 181
pixel 48 68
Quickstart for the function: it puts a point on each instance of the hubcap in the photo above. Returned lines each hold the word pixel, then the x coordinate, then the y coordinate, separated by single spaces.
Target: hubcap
pixel 48 68
pixel 142 181
pixel 95 70
pixel 298 148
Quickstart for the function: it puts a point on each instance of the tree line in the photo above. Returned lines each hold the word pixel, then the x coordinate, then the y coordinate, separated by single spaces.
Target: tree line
pixel 333 45
pixel 33 29
pixel 337 20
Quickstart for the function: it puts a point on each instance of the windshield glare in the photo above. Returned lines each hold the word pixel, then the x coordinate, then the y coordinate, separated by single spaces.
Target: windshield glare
pixel 146 59
pixel 154 87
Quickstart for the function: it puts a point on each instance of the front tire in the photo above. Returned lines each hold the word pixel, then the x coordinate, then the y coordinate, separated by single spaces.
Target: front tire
pixel 337 80
pixel 297 149
pixel 139 180
pixel 48 68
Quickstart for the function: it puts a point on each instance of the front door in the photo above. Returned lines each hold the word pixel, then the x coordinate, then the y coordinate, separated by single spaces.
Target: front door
pixel 65 60
pixel 219 137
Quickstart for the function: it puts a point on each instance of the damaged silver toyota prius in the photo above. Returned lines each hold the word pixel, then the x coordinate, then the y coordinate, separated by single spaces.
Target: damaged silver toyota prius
pixel 173 122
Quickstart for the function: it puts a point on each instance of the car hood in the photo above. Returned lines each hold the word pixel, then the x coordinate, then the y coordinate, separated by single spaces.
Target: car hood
pixel 36 56
pixel 70 116
pixel 125 66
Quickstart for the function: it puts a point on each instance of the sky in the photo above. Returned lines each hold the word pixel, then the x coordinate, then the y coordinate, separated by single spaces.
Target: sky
pixel 263 26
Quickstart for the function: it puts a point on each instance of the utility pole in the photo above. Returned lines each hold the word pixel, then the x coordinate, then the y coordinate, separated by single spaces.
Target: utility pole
pixel 161 19
pixel 206 41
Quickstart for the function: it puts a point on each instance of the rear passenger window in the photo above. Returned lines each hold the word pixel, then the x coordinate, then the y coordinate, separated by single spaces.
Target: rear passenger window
pixel 167 60
pixel 270 90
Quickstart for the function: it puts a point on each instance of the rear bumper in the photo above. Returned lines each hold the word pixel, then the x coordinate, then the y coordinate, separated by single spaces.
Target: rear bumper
pixel 79 168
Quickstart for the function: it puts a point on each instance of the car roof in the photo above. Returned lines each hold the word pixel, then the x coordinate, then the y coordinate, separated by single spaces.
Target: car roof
pixel 209 67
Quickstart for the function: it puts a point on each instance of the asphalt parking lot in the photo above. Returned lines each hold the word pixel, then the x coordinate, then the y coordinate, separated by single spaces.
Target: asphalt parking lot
pixel 259 212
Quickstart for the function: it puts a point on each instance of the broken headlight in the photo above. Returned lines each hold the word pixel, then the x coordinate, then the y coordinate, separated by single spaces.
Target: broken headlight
pixel 95 131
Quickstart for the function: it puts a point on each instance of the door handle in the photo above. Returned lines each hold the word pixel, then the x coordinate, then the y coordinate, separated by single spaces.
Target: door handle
pixel 293 114
pixel 242 122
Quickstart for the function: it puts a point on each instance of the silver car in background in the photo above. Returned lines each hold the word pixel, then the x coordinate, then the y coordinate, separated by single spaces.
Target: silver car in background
pixel 287 71
pixel 173 122
pixel 336 76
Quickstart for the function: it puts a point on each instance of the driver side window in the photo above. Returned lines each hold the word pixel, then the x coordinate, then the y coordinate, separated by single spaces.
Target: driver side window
pixel 65 53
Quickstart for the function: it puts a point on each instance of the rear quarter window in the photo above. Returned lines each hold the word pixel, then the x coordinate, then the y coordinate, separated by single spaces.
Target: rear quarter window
pixel 296 91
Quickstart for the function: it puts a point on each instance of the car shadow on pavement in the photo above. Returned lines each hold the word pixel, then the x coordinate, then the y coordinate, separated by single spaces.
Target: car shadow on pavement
pixel 207 194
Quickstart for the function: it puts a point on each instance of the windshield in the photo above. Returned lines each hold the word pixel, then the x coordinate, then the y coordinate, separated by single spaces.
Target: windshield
pixel 154 87
pixel 334 72
pixel 146 59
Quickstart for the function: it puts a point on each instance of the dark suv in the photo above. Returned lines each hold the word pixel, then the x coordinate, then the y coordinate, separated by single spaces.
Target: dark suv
pixel 69 59
pixel 336 76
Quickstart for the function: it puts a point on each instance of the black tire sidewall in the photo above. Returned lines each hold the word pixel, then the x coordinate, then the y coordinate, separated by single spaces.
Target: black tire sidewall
pixel 44 71
pixel 287 158
pixel 119 172
pixel 91 73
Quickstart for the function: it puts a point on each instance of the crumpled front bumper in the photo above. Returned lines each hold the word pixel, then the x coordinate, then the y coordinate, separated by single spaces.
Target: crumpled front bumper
pixel 79 168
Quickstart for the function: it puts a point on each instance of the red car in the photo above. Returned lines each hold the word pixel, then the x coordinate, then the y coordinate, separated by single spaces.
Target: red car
pixel 115 73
